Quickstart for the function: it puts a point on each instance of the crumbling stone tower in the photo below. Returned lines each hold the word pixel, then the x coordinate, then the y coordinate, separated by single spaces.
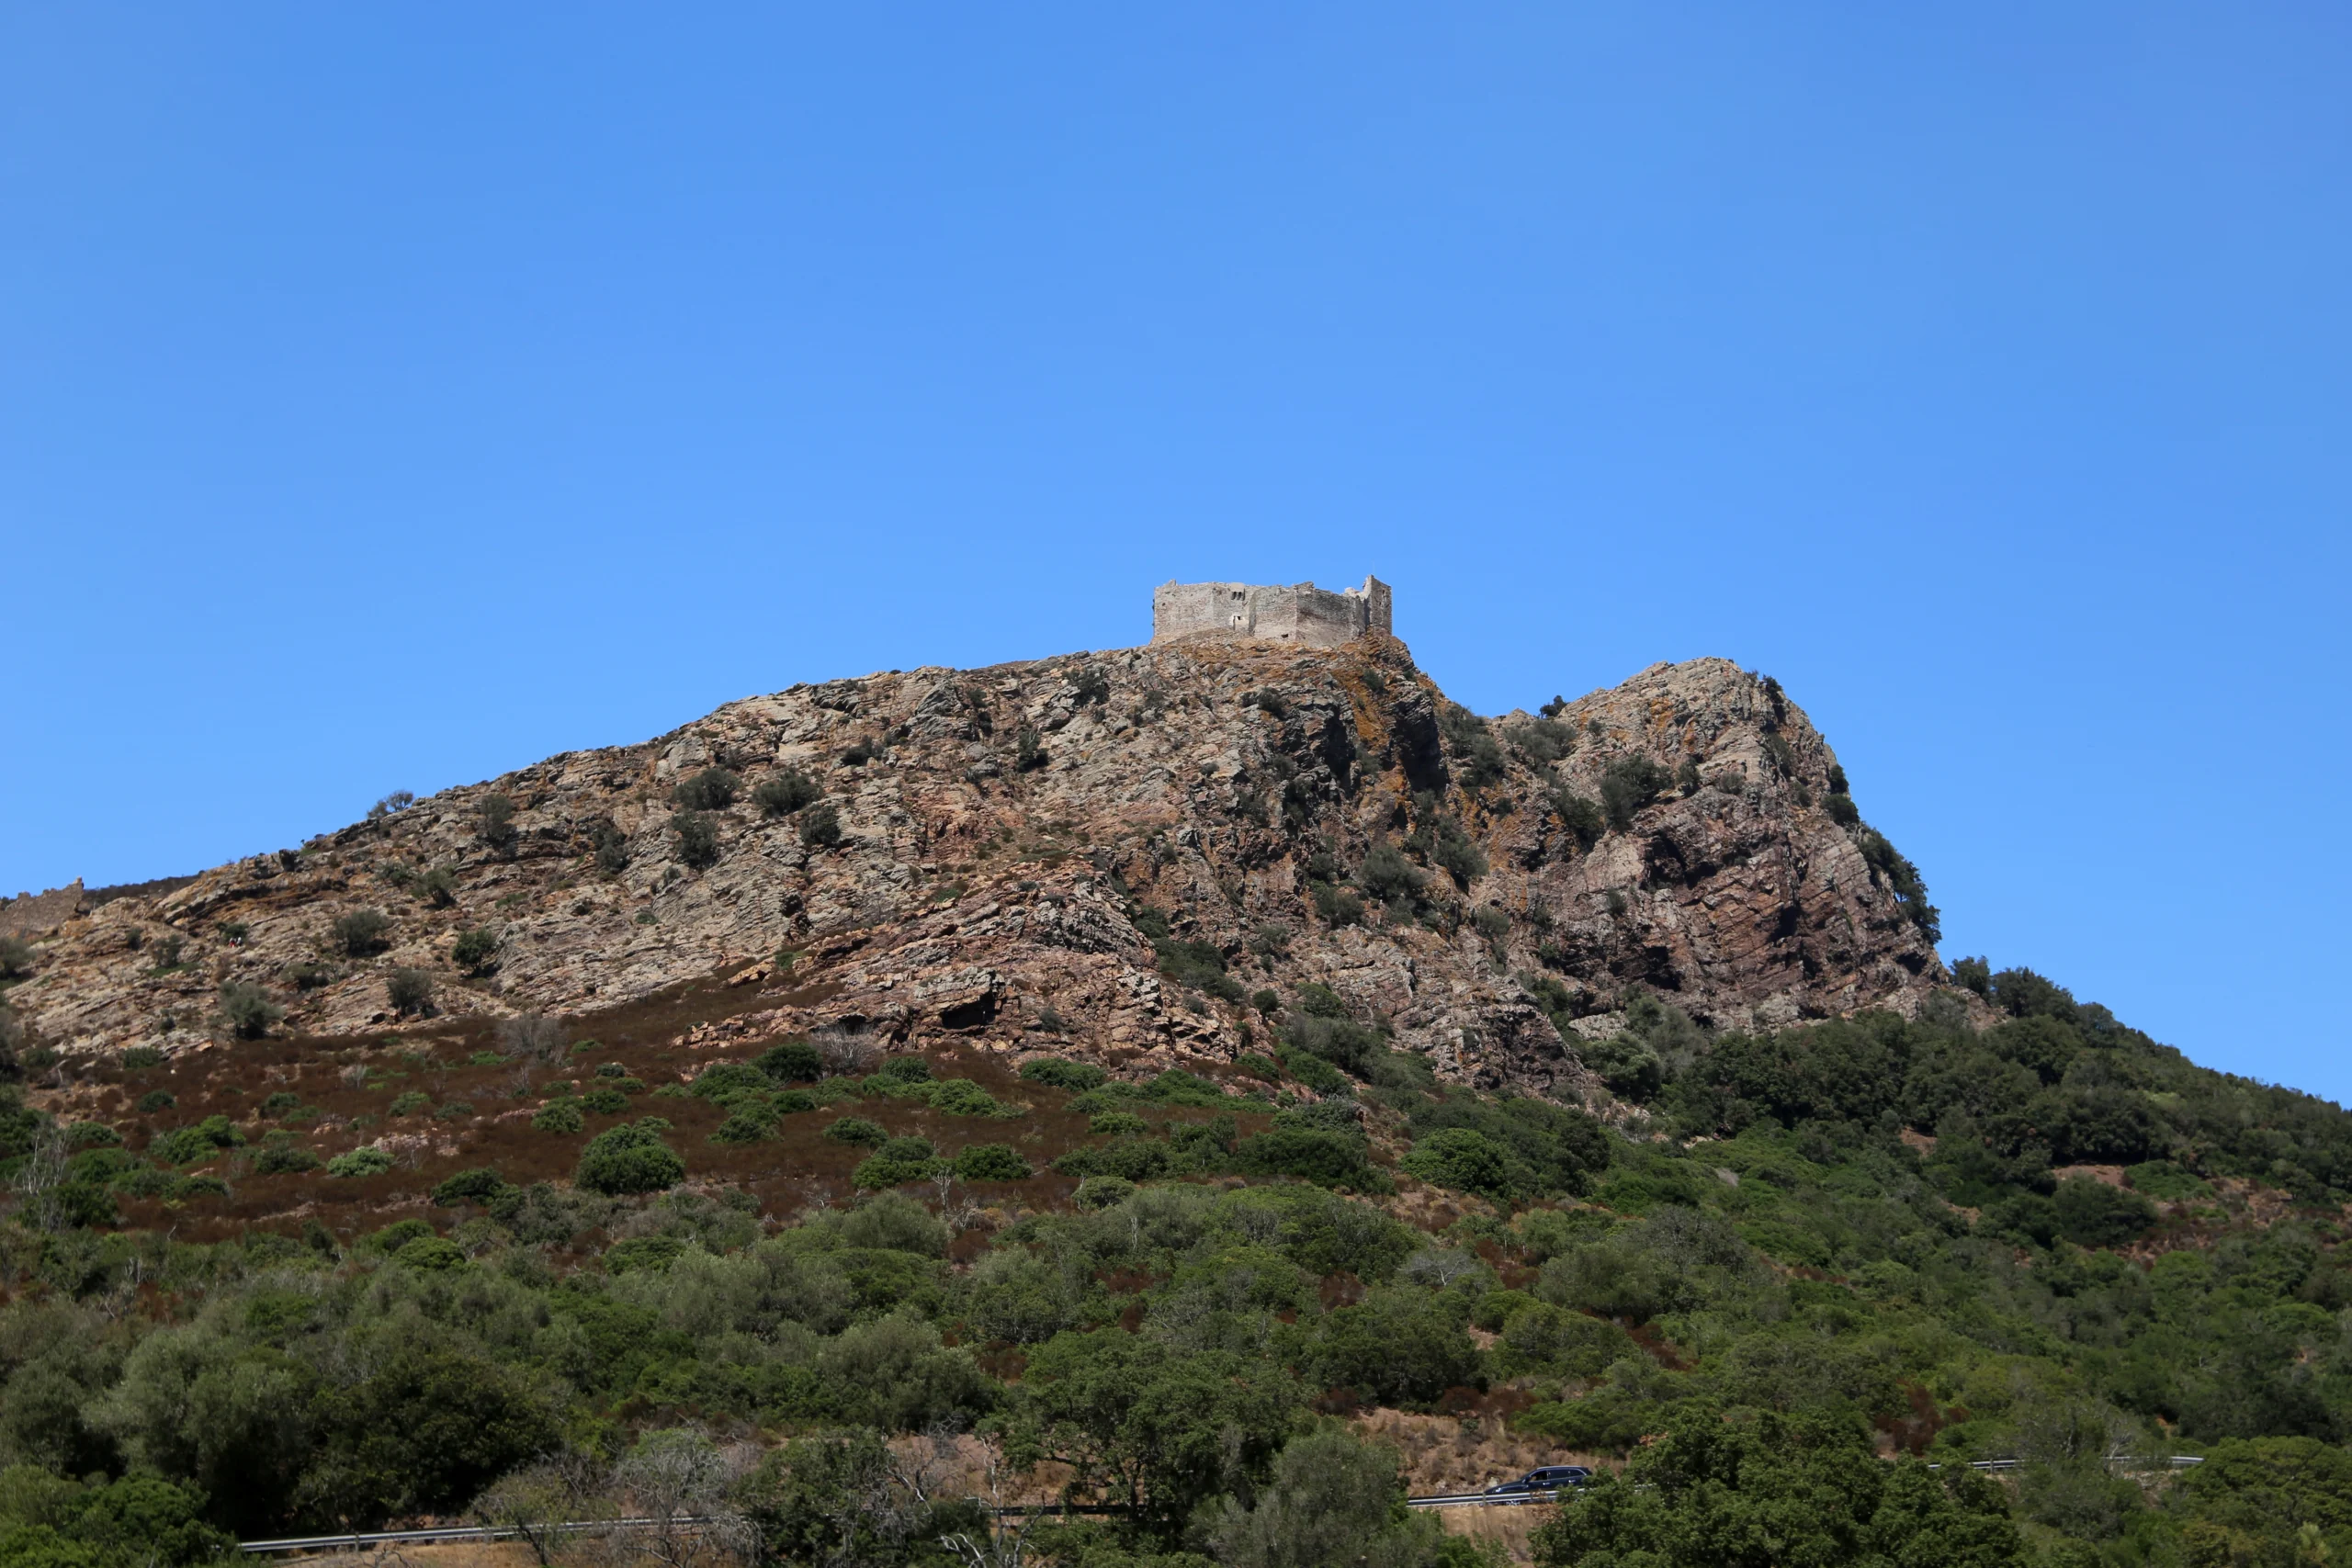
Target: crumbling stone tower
pixel 1304 615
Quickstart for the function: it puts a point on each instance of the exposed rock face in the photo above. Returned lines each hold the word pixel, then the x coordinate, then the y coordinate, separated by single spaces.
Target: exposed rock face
pixel 1001 828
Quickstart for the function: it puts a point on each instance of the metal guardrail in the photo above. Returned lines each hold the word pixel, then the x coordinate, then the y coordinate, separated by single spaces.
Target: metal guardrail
pixel 363 1540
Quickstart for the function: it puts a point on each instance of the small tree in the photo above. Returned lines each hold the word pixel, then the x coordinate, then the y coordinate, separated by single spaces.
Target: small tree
pixel 1629 783
pixel 399 800
pixel 698 834
pixel 410 991
pixel 247 1010
pixel 612 848
pixel 821 826
pixel 713 789
pixel 630 1158
pixel 532 1037
pixel 476 950
pixel 785 792
pixel 494 819
pixel 362 933
pixel 15 958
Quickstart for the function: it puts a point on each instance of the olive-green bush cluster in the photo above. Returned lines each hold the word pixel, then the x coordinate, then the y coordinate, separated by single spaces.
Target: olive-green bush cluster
pixel 1823 1244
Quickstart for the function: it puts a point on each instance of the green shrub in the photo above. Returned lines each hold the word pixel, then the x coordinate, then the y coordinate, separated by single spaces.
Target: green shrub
pixel 610 847
pixel 453 1110
pixel 857 1130
pixel 962 1097
pixel 991 1162
pixel 1103 1192
pixel 370 1161
pixel 785 792
pixel 410 1102
pixel 15 958
pixel 1029 752
pixel 1056 1073
pixel 1388 877
pixel 437 887
pixel 902 1069
pixel 475 951
pixel 1842 810
pixel 191 1143
pixel 284 1159
pixel 792 1101
pixel 1116 1123
pixel 1629 783
pixel 712 789
pixel 479 1185
pixel 1319 1000
pixel 140 1058
pixel 821 826
pixel 156 1099
pixel 1327 1158
pixel 629 1158
pixel 697 836
pixel 247 1010
pixel 794 1061
pixel 410 992
pixel 558 1116
pixel 743 1127
pixel 1463 1160
pixel 311 977
pixel 2091 1214
pixel 430 1253
pixel 605 1101
pixel 896 1162
pixel 362 934
pixel 494 819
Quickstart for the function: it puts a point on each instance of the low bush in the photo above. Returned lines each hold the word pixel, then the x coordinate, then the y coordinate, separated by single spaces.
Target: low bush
pixel 794 1061
pixel 629 1158
pixel 558 1116
pixel 247 1010
pixel 479 1185
pixel 370 1161
pixel 785 792
pixel 610 847
pixel 858 1131
pixel 437 887
pixel 896 1162
pixel 15 958
pixel 821 826
pixel 494 819
pixel 697 838
pixel 284 1159
pixel 991 1162
pixel 1116 1123
pixel 1629 783
pixel 475 951
pixel 743 1127
pixel 410 992
pixel 712 789
pixel 362 934
pixel 1056 1073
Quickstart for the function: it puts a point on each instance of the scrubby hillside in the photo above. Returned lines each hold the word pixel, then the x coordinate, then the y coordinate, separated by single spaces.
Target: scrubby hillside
pixel 956 855
pixel 1219 1114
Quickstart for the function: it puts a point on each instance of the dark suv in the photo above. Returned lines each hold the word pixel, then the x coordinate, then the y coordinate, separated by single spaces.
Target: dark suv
pixel 1542 1482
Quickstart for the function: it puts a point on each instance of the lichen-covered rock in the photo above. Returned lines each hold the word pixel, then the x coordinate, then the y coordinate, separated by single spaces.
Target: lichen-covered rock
pixel 1005 839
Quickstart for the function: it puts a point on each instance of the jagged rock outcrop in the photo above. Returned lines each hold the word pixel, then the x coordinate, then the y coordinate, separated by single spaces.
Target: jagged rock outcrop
pixel 1003 831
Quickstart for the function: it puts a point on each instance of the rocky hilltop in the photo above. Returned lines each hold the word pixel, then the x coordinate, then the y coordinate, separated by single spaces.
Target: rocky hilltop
pixel 1106 854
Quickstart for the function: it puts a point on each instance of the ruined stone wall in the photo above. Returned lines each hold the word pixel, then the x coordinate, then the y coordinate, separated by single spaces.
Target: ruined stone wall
pixel 1301 615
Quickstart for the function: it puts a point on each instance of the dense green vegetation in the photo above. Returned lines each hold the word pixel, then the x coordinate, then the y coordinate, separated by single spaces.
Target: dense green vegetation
pixel 1801 1269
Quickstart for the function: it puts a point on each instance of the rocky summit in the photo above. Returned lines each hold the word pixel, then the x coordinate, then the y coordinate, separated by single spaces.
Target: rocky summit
pixel 1105 854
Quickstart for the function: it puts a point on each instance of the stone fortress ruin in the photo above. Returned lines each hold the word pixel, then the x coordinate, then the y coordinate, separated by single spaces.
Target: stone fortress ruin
pixel 1303 615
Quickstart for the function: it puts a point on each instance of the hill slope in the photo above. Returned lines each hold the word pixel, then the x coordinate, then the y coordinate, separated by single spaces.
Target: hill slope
pixel 1482 886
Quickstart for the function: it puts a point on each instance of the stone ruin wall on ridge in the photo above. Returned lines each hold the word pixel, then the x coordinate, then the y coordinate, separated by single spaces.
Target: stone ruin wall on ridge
pixel 1302 614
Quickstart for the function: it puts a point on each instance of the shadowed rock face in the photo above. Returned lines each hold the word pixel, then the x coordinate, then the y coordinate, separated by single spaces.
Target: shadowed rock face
pixel 972 896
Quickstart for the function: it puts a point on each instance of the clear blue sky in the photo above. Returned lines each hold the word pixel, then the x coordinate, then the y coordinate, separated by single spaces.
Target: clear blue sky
pixel 391 396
